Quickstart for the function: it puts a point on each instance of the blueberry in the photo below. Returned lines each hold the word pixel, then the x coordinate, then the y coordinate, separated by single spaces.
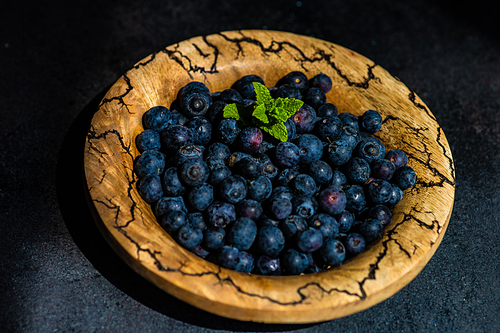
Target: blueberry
pixel 291 129
pixel 315 97
pixel 398 157
pixel 150 189
pixel 280 208
pixel 249 208
pixel 246 263
pixel 185 153
pixel 267 265
pixel 228 256
pixel 157 118
pixel 267 221
pixel 327 110
pixel 242 233
pixel 351 135
pixel 171 184
pixel 177 118
pixel 189 237
pixel 354 243
pixel 381 213
pixel 338 179
pixel 303 184
pixel 396 195
pixel 338 152
pixel 194 85
pixel 310 148
pixel 250 139
pixel 332 200
pixel 193 172
pixel 196 220
pixel 245 86
pixel 215 112
pixel 236 157
pixel 293 262
pixel 148 139
pixel 382 169
pixel 233 189
pixel 321 172
pixel 404 177
pixel 176 136
pixel 231 96
pixel 287 155
pixel 217 174
pixel 228 130
pixel 149 163
pixel 345 220
pixel 304 119
pixel 288 91
pixel 357 170
pixel 304 206
pixel 270 241
pixel 266 166
pixel 370 149
pixel 379 191
pixel 168 204
pixel 199 198
pixel 172 221
pixel 325 223
pixel 293 225
pixel 260 188
pixel 281 192
pixel 329 129
pixel 247 167
pixel 348 118
pixel 220 214
pixel 321 81
pixel 202 127
pixel 194 101
pixel 370 121
pixel 200 252
pixel 355 197
pixel 295 79
pixel 370 229
pixel 286 175
pixel 218 150
pixel 309 240
pixel 332 253
pixel 214 238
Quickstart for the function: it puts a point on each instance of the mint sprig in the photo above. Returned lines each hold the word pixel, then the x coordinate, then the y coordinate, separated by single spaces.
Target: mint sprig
pixel 267 113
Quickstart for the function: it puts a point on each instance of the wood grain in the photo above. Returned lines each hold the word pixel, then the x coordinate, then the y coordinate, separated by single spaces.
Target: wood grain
pixel 127 222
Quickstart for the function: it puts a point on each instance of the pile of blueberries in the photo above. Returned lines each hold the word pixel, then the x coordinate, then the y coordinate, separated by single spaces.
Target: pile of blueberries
pixel 240 198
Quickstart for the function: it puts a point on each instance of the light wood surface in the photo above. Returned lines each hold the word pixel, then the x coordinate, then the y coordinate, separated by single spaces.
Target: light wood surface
pixel 128 224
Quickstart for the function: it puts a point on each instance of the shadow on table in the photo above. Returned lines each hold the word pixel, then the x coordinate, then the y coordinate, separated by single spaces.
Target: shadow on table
pixel 71 187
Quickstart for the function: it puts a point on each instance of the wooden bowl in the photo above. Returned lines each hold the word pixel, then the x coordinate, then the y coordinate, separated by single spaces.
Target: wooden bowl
pixel 129 225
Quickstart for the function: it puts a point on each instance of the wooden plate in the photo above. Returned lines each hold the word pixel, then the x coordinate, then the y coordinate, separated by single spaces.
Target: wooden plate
pixel 218 60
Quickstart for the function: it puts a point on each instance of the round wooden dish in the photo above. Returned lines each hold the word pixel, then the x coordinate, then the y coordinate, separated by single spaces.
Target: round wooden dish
pixel 218 60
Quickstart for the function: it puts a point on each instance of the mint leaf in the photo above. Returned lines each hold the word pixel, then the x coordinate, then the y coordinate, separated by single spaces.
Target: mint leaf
pixel 263 95
pixel 260 113
pixel 278 130
pixel 288 107
pixel 231 111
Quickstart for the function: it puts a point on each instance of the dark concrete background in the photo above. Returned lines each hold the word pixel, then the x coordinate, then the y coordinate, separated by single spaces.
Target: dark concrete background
pixel 57 59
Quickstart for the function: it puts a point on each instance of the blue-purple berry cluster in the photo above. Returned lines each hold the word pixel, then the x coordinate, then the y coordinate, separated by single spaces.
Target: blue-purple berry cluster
pixel 242 199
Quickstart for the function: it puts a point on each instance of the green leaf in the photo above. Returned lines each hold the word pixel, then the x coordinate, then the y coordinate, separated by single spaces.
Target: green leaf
pixel 289 106
pixel 263 95
pixel 260 113
pixel 231 111
pixel 278 130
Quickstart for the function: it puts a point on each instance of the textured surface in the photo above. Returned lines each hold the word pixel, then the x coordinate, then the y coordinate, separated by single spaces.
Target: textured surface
pixel 218 60
pixel 57 61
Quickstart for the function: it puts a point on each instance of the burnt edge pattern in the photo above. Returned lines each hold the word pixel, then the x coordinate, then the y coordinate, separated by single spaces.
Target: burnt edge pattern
pixel 410 216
